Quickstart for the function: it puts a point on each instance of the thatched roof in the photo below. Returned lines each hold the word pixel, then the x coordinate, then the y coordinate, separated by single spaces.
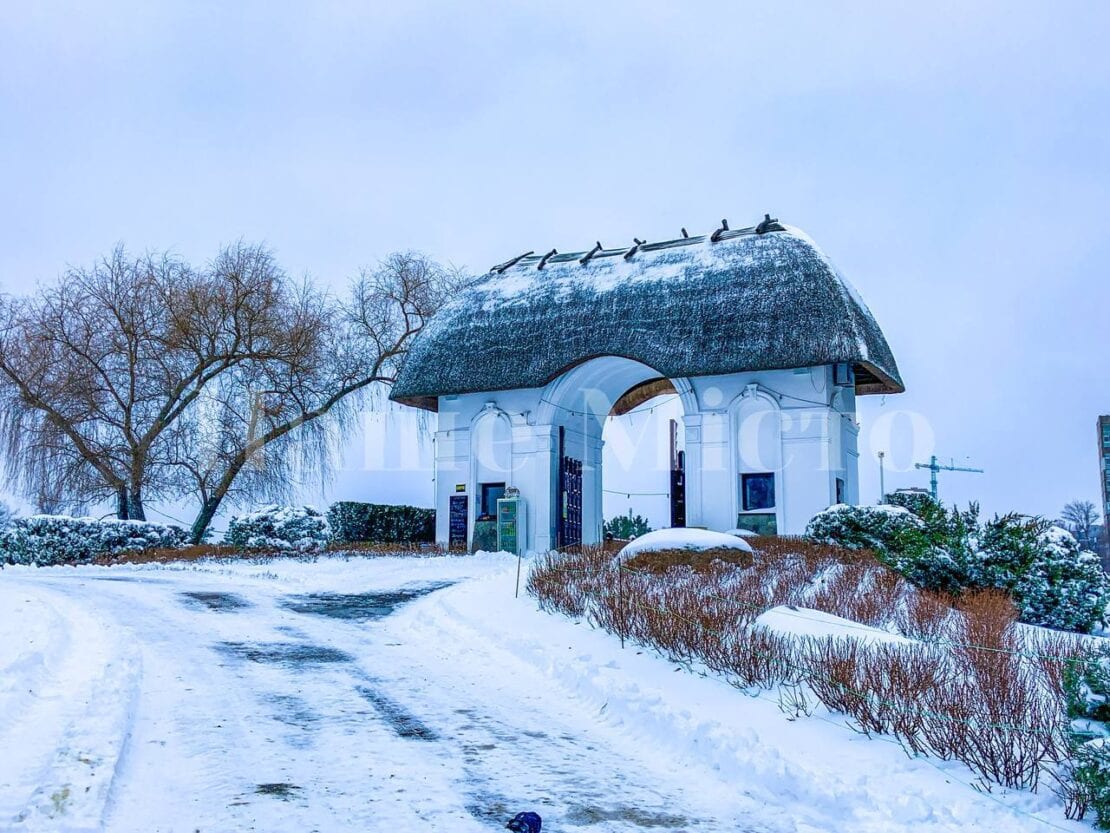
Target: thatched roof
pixel 750 299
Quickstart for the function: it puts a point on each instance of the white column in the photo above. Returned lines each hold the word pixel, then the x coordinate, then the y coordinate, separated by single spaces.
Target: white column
pixel 452 467
pixel 593 515
pixel 694 513
pixel 810 467
pixel 538 449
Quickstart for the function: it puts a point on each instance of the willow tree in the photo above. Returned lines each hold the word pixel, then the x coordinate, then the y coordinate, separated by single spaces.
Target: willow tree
pixel 261 429
pixel 146 378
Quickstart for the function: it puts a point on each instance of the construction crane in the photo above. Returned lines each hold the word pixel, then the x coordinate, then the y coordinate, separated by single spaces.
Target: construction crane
pixel 933 466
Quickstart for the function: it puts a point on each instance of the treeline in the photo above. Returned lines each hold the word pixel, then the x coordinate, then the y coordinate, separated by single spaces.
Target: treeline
pixel 146 377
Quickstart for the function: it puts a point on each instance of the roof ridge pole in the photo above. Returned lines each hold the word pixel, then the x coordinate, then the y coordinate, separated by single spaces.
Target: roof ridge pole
pixel 501 267
pixel 545 258
pixel 634 249
pixel 768 224
pixel 589 255
pixel 716 236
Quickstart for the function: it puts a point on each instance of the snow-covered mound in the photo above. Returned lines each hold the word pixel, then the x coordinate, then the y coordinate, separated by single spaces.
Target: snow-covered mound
pixel 803 621
pixel 742 533
pixel 694 540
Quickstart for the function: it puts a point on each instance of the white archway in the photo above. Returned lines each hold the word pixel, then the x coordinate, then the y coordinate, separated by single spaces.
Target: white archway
pixel 577 405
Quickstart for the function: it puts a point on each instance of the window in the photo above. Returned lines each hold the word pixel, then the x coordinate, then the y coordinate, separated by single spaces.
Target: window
pixel 489 493
pixel 840 490
pixel 757 491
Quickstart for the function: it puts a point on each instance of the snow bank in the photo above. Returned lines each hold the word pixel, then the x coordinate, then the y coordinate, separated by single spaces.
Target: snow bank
pixel 696 540
pixel 67 701
pixel 803 621
pixel 814 774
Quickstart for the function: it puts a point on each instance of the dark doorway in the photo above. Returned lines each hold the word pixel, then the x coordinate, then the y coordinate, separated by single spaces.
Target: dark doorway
pixel 678 480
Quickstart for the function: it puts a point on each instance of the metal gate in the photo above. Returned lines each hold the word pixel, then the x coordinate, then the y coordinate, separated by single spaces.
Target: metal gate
pixel 569 531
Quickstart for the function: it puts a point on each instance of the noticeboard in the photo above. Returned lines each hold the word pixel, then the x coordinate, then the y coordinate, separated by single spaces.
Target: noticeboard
pixel 457 523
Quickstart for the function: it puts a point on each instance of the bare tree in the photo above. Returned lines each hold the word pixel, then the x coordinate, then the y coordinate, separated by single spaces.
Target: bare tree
pixel 97 371
pixel 264 427
pixel 145 378
pixel 1081 517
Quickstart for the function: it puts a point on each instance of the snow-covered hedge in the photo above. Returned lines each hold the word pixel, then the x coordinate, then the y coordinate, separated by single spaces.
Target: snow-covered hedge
pixel 380 523
pixel 279 529
pixel 1053 581
pixel 44 540
pixel 1087 689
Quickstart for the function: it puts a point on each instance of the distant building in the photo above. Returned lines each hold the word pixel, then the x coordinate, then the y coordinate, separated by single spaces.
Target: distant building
pixel 1104 467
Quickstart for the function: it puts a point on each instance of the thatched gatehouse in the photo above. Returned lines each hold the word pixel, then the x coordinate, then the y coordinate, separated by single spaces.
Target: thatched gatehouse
pixel 754 329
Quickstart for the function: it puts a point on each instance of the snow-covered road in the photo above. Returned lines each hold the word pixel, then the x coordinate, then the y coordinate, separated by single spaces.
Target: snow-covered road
pixel 300 700
pixel 413 694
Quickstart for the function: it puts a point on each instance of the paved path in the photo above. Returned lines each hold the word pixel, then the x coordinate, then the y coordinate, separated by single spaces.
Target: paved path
pixel 264 706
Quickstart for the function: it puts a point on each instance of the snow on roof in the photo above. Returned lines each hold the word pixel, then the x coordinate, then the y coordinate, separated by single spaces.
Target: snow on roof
pixel 697 540
pixel 694 306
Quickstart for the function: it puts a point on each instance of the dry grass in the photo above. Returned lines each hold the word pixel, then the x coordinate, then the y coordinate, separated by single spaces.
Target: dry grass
pixel 197 552
pixel 163 556
pixel 974 687
pixel 925 615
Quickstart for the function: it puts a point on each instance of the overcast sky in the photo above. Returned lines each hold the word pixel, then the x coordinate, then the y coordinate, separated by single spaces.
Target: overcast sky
pixel 952 159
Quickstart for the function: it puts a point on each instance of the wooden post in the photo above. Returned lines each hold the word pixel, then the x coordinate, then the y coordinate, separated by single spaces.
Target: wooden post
pixel 620 597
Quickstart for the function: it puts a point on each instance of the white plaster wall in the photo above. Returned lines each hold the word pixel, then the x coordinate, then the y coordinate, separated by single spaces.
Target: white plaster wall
pixel 460 419
pixel 805 433
pixel 815 443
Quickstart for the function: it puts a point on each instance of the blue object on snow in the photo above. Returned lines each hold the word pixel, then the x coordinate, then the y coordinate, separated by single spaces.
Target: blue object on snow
pixel 525 823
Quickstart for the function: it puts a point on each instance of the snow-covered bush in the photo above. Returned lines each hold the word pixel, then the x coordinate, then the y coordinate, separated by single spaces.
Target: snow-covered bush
pixel 1064 586
pixel 1052 580
pixel 1087 691
pixel 896 535
pixel 867 527
pixel 380 523
pixel 280 529
pixel 44 540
